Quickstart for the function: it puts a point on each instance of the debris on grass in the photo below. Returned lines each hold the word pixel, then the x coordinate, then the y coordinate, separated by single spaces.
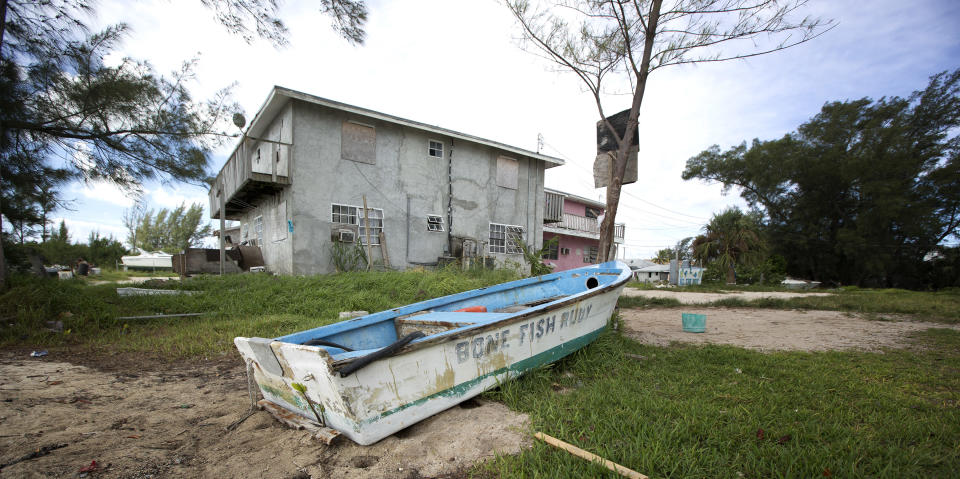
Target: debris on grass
pixel 147 292
pixel 576 451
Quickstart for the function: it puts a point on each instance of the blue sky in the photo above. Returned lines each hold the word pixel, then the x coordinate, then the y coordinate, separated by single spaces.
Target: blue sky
pixel 457 65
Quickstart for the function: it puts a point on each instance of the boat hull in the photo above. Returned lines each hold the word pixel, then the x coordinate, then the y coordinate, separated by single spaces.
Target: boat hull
pixel 395 392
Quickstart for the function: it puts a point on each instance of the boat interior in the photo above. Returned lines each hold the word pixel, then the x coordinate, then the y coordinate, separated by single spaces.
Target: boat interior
pixel 451 314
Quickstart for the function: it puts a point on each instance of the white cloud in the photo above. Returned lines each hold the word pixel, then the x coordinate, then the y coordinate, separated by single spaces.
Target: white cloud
pixel 173 196
pixel 106 192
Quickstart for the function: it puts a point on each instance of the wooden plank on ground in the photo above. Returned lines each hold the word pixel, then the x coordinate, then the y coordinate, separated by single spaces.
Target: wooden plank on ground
pixel 323 434
pixel 576 451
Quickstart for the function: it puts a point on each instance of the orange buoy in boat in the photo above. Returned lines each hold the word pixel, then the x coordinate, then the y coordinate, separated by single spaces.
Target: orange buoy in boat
pixel 472 309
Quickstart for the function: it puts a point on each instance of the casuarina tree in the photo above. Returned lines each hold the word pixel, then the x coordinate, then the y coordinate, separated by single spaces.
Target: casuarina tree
pixel 865 192
pixel 66 114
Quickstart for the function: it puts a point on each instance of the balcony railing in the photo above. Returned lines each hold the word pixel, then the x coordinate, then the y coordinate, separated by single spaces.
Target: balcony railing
pixel 553 207
pixel 582 224
pixel 254 169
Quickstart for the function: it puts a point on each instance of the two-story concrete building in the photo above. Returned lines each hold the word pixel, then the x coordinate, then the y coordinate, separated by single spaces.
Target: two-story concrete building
pixel 297 185
pixel 575 221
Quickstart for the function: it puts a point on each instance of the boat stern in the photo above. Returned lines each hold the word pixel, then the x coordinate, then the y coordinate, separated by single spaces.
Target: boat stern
pixel 269 359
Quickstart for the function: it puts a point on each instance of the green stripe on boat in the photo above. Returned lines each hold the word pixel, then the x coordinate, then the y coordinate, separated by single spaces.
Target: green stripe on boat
pixel 521 366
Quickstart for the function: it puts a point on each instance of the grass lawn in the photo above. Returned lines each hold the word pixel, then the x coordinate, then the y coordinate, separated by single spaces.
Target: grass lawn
pixel 234 305
pixel 683 411
pixel 721 411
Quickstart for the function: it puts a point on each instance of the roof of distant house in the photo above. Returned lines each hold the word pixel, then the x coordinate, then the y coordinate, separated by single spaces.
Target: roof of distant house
pixel 638 263
pixel 656 268
pixel 280 95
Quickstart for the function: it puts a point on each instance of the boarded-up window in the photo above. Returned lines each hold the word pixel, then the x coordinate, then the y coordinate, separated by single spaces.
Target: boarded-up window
pixel 507 171
pixel 358 143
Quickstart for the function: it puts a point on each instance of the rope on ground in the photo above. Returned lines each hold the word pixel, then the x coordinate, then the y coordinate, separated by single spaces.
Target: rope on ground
pixel 252 393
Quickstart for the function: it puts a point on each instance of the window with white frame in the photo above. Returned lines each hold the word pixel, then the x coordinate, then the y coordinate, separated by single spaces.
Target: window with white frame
pixel 258 229
pixel 590 254
pixel 353 215
pixel 435 148
pixel 434 223
pixel 504 238
pixel 344 214
pixel 375 219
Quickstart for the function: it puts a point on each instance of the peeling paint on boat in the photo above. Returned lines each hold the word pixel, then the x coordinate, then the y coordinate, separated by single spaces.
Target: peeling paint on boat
pixel 464 354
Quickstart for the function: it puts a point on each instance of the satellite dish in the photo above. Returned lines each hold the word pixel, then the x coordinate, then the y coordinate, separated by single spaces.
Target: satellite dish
pixel 239 120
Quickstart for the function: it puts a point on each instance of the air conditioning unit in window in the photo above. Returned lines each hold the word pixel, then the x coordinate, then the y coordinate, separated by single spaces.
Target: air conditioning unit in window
pixel 564 250
pixel 347 236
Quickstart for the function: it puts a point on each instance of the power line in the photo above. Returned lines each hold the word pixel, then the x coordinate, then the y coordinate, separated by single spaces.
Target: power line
pixel 574 163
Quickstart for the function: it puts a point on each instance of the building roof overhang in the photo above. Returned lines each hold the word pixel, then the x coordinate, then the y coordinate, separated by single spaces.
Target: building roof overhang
pixel 280 96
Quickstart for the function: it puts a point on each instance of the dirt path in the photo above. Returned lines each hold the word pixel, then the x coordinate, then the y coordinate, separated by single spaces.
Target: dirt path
pixel 774 329
pixel 687 297
pixel 171 424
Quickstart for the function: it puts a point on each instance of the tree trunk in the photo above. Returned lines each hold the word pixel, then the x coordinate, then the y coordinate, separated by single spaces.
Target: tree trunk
pixel 619 168
pixel 731 275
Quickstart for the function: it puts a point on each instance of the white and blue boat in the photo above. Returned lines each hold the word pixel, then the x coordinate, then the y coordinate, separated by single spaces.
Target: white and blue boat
pixel 375 375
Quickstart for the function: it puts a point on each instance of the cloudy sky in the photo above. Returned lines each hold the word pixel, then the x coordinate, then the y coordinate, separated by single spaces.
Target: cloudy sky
pixel 457 64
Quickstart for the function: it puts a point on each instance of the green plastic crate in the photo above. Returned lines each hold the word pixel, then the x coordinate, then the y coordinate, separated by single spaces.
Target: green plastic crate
pixel 694 323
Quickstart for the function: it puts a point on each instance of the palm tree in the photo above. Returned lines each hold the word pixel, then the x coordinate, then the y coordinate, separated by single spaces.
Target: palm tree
pixel 731 238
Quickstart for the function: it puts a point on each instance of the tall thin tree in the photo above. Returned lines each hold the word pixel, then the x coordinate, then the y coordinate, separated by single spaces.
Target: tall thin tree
pixel 629 39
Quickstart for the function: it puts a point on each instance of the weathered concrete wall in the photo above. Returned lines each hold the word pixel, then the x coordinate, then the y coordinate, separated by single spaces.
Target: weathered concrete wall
pixel 277 241
pixel 479 201
pixel 407 184
pixel 275 209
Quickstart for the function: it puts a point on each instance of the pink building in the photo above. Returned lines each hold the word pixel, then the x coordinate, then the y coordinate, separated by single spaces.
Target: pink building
pixel 575 220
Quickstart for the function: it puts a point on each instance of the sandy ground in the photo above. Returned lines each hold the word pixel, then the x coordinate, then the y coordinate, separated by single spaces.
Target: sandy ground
pixel 140 419
pixel 703 298
pixel 774 329
pixel 171 424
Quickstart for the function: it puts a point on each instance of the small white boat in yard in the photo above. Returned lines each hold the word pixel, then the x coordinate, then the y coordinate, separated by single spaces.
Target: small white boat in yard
pixel 375 375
